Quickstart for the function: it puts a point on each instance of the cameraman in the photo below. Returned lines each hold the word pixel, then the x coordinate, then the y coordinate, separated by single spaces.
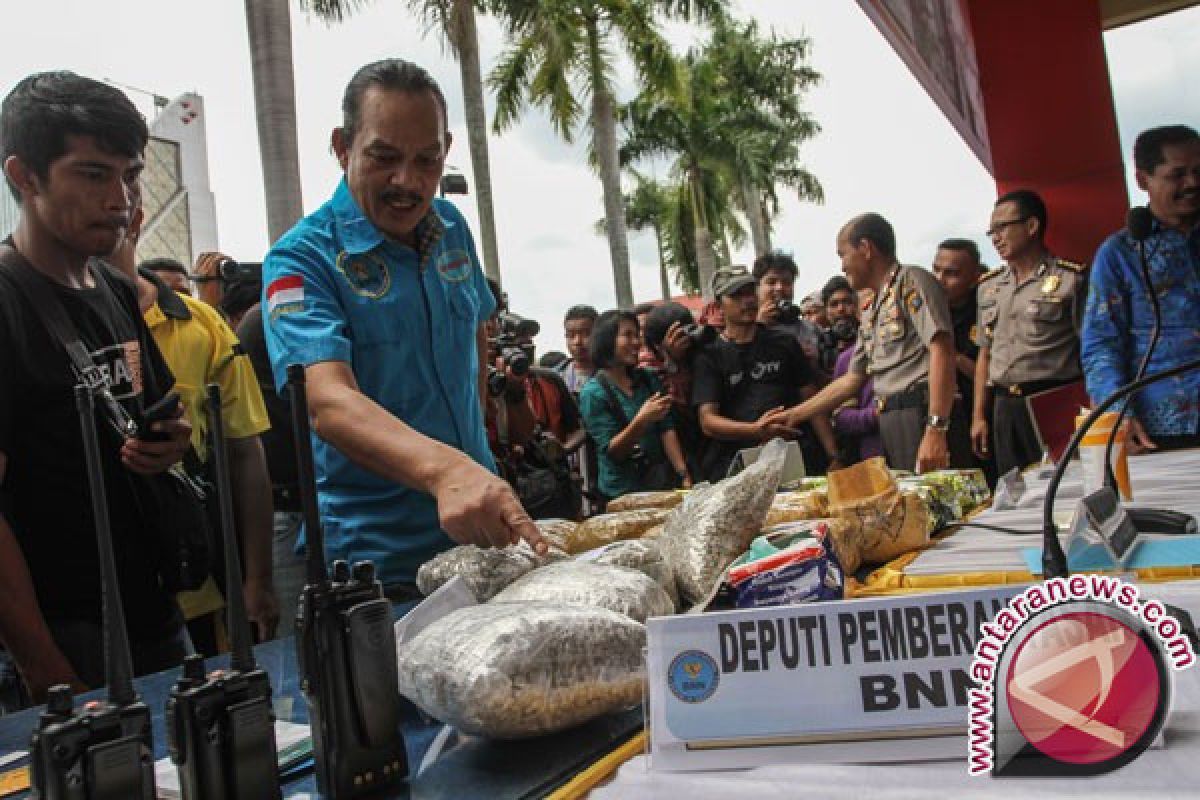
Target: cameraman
pixel 747 379
pixel 628 416
pixel 775 274
pixel 671 332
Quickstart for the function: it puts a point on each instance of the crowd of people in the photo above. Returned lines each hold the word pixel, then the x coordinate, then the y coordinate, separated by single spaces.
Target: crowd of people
pixel 432 422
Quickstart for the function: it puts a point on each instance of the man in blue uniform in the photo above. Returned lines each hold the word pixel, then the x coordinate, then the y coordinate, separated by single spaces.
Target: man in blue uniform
pixel 380 295
pixel 1120 316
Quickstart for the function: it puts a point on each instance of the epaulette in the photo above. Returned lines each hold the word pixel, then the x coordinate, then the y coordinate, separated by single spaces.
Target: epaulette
pixel 1072 265
pixel 987 276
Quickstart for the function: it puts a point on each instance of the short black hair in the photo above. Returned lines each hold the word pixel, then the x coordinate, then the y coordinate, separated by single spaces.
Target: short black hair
pixel 1030 206
pixel 773 260
pixel 1148 148
pixel 962 246
pixel 662 318
pixel 394 74
pixel 45 108
pixel 603 343
pixel 837 283
pixel 874 228
pixel 581 312
pixel 164 264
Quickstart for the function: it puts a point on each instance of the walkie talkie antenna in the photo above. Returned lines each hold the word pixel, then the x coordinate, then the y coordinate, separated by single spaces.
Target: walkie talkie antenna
pixel 314 535
pixel 241 646
pixel 118 664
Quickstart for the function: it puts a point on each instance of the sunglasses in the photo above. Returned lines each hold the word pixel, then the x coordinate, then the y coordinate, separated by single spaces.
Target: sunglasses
pixel 999 226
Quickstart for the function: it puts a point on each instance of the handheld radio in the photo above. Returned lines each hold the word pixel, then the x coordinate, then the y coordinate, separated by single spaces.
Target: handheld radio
pixel 220 726
pixel 346 649
pixel 104 748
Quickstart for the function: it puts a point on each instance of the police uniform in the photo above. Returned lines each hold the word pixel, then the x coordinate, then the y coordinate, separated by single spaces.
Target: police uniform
pixel 893 348
pixel 1031 329
pixel 405 320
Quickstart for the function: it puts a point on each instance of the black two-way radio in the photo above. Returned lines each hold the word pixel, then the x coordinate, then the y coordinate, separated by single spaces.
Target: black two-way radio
pixel 346 649
pixel 220 726
pixel 102 749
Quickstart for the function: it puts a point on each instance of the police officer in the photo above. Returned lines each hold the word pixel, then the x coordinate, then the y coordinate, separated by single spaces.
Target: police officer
pixel 904 343
pixel 1029 315
pixel 957 267
pixel 380 295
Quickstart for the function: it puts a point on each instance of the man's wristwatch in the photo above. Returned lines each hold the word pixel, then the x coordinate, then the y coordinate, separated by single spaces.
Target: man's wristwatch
pixel 939 424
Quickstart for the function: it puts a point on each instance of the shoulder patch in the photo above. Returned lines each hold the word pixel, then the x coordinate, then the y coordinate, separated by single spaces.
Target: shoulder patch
pixel 987 276
pixel 1072 265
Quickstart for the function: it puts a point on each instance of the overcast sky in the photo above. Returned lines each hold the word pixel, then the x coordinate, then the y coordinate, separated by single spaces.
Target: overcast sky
pixel 885 146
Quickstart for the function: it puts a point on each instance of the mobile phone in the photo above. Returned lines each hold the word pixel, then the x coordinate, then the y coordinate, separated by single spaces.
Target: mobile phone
pixel 165 409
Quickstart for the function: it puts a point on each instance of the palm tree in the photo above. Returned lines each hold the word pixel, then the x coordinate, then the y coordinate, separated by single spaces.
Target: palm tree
pixel 649 206
pixel 455 20
pixel 562 54
pixel 709 140
pixel 269 26
pixel 763 80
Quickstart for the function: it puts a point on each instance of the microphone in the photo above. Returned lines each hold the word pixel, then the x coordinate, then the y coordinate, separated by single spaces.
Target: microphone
pixel 1054 560
pixel 1140 224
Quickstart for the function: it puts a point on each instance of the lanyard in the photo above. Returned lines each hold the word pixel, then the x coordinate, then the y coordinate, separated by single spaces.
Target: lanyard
pixel 879 298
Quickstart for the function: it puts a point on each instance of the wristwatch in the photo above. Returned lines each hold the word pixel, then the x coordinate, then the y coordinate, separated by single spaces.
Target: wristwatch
pixel 939 424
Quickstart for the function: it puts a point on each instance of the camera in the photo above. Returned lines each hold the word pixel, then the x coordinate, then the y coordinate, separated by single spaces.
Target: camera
pixel 701 335
pixel 497 382
pixel 844 329
pixel 787 312
pixel 508 343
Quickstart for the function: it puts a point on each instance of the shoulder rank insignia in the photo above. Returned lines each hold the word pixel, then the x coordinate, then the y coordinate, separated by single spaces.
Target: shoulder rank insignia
pixel 987 276
pixel 914 301
pixel 1072 265
pixel 1050 284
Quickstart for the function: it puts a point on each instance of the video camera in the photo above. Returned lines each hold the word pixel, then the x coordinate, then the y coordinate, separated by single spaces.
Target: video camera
pixel 511 345
pixel 787 312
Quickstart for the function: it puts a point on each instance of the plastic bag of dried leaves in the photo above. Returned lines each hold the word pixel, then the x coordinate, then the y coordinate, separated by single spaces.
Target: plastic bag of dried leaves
pixel 716 523
pixel 485 570
pixel 639 500
pixel 578 583
pixel 509 671
pixel 607 528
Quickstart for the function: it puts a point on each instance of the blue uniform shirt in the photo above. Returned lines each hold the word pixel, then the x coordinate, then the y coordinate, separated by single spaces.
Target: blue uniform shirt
pixel 1119 318
pixel 336 289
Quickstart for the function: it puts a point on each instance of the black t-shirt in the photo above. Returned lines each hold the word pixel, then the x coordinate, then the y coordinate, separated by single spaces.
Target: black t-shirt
pixel 746 381
pixel 45 489
pixel 964 318
pixel 278 442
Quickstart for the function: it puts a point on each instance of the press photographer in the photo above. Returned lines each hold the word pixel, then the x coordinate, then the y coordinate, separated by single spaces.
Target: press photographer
pixel 534 420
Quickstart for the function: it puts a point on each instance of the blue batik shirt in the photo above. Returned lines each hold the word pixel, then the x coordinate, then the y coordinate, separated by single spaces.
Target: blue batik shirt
pixel 1118 320
pixel 405 320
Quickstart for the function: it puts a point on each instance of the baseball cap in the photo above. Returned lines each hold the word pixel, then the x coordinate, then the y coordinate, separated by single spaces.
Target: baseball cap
pixel 728 280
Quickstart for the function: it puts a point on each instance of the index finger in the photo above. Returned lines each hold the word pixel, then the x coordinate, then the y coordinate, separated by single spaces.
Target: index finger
pixel 519 523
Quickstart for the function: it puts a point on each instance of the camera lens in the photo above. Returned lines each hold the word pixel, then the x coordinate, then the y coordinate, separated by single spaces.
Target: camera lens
pixel 497 382
pixel 516 360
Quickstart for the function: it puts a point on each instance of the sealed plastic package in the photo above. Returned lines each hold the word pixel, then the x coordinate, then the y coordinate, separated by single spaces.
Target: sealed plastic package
pixel 626 591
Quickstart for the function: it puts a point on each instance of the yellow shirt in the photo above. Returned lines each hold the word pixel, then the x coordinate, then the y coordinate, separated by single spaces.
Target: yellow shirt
pixel 203 350
pixel 200 349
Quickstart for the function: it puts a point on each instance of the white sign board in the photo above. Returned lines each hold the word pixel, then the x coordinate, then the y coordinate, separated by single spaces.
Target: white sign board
pixel 860 680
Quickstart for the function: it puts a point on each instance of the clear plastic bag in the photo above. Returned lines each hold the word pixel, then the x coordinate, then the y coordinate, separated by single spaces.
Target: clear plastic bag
pixel 485 570
pixel 639 500
pixel 607 528
pixel 578 583
pixel 797 506
pixel 716 523
pixel 644 555
pixel 513 671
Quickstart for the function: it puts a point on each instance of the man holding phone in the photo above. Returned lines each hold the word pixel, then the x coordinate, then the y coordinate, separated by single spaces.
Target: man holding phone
pixel 72 150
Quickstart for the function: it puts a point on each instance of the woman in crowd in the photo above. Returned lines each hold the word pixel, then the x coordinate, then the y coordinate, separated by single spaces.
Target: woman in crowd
pixel 628 415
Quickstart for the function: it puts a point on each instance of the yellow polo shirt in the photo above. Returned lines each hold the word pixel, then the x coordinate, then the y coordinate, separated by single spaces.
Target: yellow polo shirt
pixel 200 349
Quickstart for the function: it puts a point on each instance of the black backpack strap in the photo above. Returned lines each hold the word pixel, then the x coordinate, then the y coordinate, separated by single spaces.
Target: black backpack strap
pixel 50 310
pixel 614 404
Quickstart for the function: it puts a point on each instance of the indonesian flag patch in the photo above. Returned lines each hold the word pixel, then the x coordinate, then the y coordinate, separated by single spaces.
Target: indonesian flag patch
pixel 285 294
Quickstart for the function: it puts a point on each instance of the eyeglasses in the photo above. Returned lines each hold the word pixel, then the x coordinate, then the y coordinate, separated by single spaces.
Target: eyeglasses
pixel 999 226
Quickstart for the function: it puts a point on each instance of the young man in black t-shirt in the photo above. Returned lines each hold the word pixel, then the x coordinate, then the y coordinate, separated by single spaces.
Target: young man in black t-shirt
pixel 745 381
pixel 72 153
